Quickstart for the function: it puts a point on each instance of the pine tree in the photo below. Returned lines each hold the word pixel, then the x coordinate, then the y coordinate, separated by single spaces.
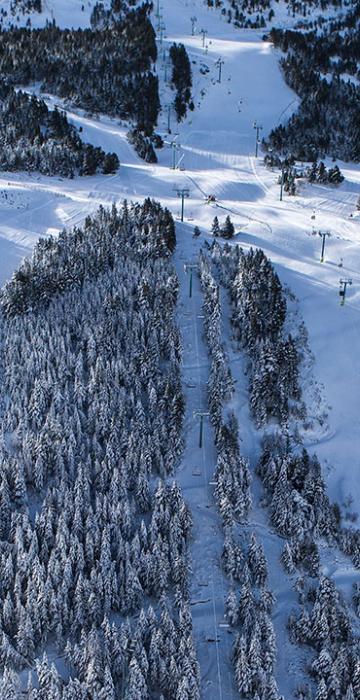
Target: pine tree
pixel 242 668
pixel 215 228
pixel 136 686
pixel 272 692
pixel 356 678
pixel 349 693
pixel 107 691
pixel 287 559
pixel 228 229
pixel 231 608
pixel 321 690
pixel 110 164
pixel 10 686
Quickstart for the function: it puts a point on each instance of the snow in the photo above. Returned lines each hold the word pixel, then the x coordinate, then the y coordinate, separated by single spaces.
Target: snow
pixel 209 587
pixel 346 77
pixel 218 142
pixel 67 13
pixel 76 13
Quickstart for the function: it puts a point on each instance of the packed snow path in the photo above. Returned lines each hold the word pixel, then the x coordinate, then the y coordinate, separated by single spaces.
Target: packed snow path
pixel 208 588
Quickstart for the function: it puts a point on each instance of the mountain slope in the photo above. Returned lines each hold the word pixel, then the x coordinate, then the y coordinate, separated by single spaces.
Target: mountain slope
pixel 217 150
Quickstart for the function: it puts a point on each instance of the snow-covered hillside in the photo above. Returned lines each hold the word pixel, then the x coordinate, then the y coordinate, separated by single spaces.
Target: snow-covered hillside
pixel 70 13
pixel 217 145
pixel 77 13
pixel 215 151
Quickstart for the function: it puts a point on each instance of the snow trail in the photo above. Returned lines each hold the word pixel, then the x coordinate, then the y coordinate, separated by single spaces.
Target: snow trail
pixel 213 642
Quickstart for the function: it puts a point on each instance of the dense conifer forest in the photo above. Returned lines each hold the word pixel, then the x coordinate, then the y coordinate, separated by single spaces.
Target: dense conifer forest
pixel 102 70
pixel 181 78
pixel 249 603
pixel 93 413
pixel 321 66
pixel 36 138
pixel 115 11
pixel 103 358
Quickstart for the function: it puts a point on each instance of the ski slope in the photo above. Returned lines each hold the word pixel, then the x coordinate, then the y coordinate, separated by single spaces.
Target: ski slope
pixel 76 13
pixel 216 145
pixel 67 13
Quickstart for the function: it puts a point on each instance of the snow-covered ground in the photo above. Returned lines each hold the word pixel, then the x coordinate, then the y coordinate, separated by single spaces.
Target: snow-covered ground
pixel 217 143
pixel 209 586
pixel 216 150
pixel 66 13
pixel 76 13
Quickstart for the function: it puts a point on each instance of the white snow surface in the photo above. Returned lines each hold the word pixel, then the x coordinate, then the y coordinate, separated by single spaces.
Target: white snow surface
pixel 66 13
pixel 217 142
pixel 76 13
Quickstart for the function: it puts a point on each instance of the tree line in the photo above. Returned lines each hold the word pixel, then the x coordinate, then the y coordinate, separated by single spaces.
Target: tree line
pixel 316 66
pixel 299 510
pixel 101 70
pixel 68 260
pixel 181 78
pixel 93 407
pixel 36 138
pixel 248 609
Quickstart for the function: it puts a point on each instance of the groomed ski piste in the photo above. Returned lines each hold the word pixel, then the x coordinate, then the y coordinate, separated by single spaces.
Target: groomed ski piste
pixel 215 154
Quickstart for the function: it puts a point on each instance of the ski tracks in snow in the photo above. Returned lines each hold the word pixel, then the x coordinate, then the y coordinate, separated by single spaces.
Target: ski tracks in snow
pixel 213 642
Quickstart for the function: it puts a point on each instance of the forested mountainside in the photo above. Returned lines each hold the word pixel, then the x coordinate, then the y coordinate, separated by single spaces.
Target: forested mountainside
pixel 258 13
pixel 101 13
pixel 294 492
pixel 92 410
pixel 106 16
pixel 166 530
pixel 181 81
pixel 103 70
pixel 32 137
pixel 243 558
pixel 68 260
pixel 322 66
